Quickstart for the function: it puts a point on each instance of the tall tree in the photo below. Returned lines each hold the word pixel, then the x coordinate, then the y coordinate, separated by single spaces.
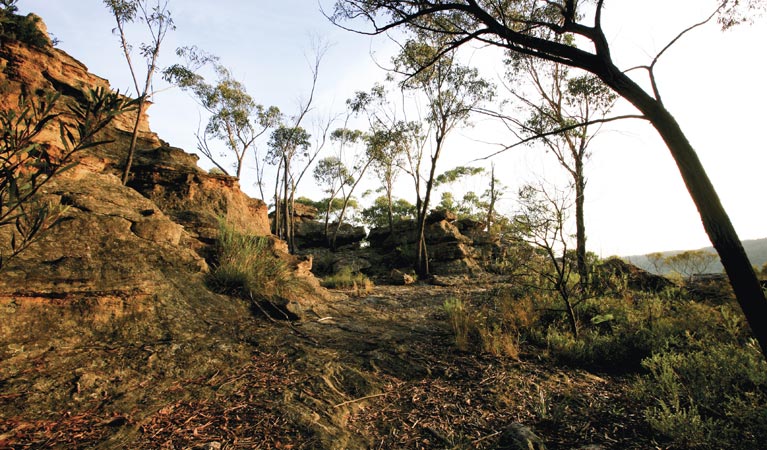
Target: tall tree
pixel 390 139
pixel 535 28
pixel 156 16
pixel 331 174
pixel 563 117
pixel 235 118
pixel 452 92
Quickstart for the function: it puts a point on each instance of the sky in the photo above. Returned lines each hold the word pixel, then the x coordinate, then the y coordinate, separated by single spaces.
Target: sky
pixel 636 203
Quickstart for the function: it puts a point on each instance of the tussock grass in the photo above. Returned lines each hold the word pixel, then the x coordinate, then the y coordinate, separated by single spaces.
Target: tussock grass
pixel 246 267
pixel 358 283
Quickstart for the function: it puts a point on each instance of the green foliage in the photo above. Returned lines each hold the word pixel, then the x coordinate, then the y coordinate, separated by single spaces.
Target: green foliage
pixel 376 215
pixel 247 267
pixel 711 398
pixel 26 166
pixel 24 29
pixel 235 119
pixel 456 174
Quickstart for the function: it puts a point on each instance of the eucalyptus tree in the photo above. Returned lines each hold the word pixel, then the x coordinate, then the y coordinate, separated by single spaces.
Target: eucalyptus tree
pixel 543 221
pixel 287 145
pixel 390 139
pixel 235 117
pixel 157 18
pixel 536 28
pixel 332 175
pixel 563 114
pixel 452 91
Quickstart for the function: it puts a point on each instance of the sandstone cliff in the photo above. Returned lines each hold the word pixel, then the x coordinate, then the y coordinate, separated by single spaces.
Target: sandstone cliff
pixel 124 269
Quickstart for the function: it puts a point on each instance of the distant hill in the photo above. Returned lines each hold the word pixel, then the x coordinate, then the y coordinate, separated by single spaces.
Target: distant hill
pixel 756 249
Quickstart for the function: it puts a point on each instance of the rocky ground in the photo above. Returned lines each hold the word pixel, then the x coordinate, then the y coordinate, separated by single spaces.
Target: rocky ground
pixel 374 372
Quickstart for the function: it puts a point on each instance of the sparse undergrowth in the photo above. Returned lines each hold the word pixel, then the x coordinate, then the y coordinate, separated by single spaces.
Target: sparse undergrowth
pixel 358 283
pixel 700 379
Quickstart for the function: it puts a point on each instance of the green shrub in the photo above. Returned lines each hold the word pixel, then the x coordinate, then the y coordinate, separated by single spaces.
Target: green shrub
pixel 247 267
pixel 346 279
pixel 710 398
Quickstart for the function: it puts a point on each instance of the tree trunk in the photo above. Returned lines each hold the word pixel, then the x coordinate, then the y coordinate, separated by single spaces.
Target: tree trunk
pixel 491 206
pixel 133 141
pixel 715 220
pixel 580 227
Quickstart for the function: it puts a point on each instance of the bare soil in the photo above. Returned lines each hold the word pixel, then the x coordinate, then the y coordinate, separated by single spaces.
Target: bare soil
pixel 380 372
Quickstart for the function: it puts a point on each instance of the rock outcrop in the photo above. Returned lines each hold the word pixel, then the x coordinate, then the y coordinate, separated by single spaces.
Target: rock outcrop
pixel 455 248
pixel 124 261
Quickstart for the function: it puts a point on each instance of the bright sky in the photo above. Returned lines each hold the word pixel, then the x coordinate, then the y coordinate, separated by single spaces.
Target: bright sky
pixel 636 203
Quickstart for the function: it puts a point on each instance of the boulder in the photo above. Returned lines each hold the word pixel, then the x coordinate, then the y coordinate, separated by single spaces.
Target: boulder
pixel 444 231
pixel 400 278
pixel 438 215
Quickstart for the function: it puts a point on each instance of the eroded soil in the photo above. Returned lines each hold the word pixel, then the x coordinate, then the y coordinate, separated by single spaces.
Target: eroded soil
pixel 379 371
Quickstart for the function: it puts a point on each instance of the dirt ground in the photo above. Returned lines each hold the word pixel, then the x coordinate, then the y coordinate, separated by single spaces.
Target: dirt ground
pixel 378 372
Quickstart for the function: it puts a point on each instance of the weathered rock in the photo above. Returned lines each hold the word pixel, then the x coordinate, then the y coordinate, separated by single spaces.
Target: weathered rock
pixel 615 269
pixel 403 234
pixel 198 200
pixel 469 227
pixel 439 215
pixel 310 234
pixel 444 231
pixel 519 437
pixel 400 278
pixel 352 263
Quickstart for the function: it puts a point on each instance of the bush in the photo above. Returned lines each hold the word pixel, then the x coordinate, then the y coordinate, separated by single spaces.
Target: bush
pixel 247 267
pixel 346 279
pixel 711 398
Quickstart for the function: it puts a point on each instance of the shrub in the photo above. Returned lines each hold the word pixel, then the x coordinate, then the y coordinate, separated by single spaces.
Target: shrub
pixel 710 398
pixel 346 279
pixel 247 267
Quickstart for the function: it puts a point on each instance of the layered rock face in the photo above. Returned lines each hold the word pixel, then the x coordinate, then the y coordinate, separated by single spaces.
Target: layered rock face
pixel 119 251
pixel 455 247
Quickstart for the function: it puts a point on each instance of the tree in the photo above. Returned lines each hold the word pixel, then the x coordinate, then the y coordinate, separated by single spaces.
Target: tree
pixel 332 174
pixel 536 29
pixel 657 260
pixel 158 21
pixel 26 166
pixel 391 139
pixel 235 118
pixel 452 92
pixel 359 167
pixel 691 262
pixel 569 103
pixel 383 212
pixel 543 217
pixel 289 143
pixel 286 145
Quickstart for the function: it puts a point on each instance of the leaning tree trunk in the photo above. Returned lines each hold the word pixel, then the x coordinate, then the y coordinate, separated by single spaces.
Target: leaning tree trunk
pixel 715 220
pixel 133 141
